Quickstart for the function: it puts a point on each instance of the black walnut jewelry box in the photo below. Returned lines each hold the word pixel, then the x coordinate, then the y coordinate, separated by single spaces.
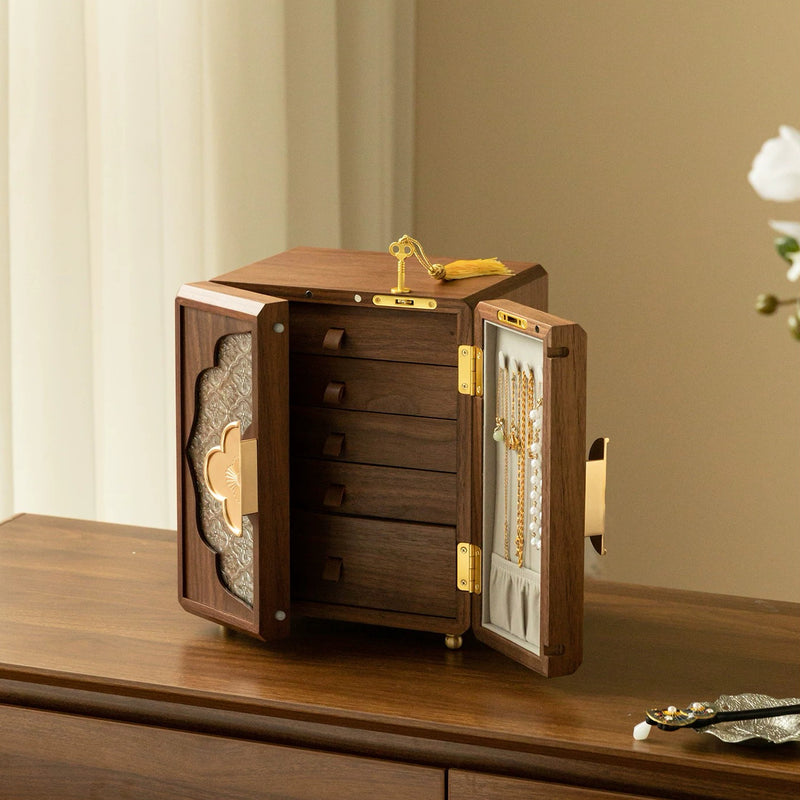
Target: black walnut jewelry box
pixel 407 455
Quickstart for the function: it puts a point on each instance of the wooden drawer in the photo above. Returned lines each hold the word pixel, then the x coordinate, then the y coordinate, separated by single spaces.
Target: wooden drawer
pixel 476 786
pixel 375 564
pixel 46 755
pixel 389 387
pixel 423 337
pixel 385 439
pixel 366 490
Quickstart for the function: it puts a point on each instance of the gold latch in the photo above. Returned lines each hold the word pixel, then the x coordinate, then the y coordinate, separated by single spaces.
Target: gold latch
pixel 390 301
pixel 513 320
pixel 470 370
pixel 468 567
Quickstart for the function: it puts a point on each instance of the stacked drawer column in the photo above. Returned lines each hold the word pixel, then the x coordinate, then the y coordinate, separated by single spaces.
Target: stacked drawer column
pixel 374 433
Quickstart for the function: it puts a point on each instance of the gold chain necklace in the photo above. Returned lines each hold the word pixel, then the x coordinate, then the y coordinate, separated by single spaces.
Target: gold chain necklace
pixel 501 434
pixel 534 454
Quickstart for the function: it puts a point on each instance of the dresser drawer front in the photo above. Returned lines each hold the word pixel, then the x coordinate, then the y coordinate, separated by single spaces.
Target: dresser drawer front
pixel 366 490
pixel 417 336
pixel 382 386
pixel 384 439
pixel 75 758
pixel 477 786
pixel 376 564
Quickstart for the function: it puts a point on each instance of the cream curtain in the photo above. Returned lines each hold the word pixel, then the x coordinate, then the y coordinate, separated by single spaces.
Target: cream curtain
pixel 150 143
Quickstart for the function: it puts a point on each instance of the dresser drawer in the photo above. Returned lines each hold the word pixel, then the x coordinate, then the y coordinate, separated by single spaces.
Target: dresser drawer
pixel 46 755
pixel 477 786
pixel 386 439
pixel 389 387
pixel 376 564
pixel 384 334
pixel 366 490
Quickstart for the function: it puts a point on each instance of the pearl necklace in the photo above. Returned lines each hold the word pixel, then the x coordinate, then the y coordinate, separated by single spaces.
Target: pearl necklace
pixel 534 454
pixel 518 425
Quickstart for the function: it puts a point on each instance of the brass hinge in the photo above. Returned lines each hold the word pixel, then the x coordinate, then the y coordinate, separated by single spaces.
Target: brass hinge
pixel 470 370
pixel 468 567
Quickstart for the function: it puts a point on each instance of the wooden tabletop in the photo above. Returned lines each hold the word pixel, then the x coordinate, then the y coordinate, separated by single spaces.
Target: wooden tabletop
pixel 90 621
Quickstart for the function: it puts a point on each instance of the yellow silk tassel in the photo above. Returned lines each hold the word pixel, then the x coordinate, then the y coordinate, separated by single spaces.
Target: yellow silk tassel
pixel 405 247
pixel 472 269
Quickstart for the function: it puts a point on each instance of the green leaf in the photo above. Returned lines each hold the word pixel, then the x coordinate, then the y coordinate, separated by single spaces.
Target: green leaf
pixel 785 245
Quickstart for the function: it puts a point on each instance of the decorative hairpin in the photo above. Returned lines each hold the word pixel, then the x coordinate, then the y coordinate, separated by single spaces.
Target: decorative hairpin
pixel 783 716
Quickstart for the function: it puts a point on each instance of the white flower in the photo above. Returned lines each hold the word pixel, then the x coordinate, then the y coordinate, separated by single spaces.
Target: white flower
pixel 789 229
pixel 775 174
pixel 794 271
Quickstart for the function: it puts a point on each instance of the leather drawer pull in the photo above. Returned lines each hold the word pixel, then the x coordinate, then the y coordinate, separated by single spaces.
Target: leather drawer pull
pixel 334 392
pixel 333 339
pixel 332 570
pixel 334 496
pixel 334 445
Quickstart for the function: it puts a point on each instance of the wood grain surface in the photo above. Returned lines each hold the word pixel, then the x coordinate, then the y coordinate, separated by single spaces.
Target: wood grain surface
pixel 382 564
pixel 370 332
pixel 319 274
pixel 387 439
pixel 403 494
pixel 387 387
pixel 475 786
pixel 64 756
pixel 92 627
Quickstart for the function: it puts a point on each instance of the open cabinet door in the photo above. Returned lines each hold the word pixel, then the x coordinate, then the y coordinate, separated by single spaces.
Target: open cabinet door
pixel 532 429
pixel 233 457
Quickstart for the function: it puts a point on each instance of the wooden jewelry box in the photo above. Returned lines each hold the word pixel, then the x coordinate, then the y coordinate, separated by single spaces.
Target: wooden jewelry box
pixel 411 458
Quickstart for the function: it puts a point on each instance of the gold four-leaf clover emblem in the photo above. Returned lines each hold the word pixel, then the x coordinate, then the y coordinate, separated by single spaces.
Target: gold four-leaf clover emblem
pixel 230 475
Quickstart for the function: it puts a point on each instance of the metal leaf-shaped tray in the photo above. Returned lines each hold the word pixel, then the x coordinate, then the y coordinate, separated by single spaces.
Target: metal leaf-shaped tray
pixel 773 729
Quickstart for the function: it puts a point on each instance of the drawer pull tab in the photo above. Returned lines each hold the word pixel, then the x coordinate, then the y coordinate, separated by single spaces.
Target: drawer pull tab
pixel 334 445
pixel 334 392
pixel 333 339
pixel 334 496
pixel 332 571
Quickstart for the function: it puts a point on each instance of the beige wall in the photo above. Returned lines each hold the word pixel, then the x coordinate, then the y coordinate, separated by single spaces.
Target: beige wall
pixel 611 142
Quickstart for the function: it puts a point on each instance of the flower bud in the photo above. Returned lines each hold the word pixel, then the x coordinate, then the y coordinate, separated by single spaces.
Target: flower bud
pixel 766 303
pixel 785 245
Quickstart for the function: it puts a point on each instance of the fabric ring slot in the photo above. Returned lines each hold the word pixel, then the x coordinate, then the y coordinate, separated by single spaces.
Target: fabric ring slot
pixel 514 594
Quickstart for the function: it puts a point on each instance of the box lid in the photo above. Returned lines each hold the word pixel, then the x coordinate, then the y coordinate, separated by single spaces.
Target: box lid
pixel 320 274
